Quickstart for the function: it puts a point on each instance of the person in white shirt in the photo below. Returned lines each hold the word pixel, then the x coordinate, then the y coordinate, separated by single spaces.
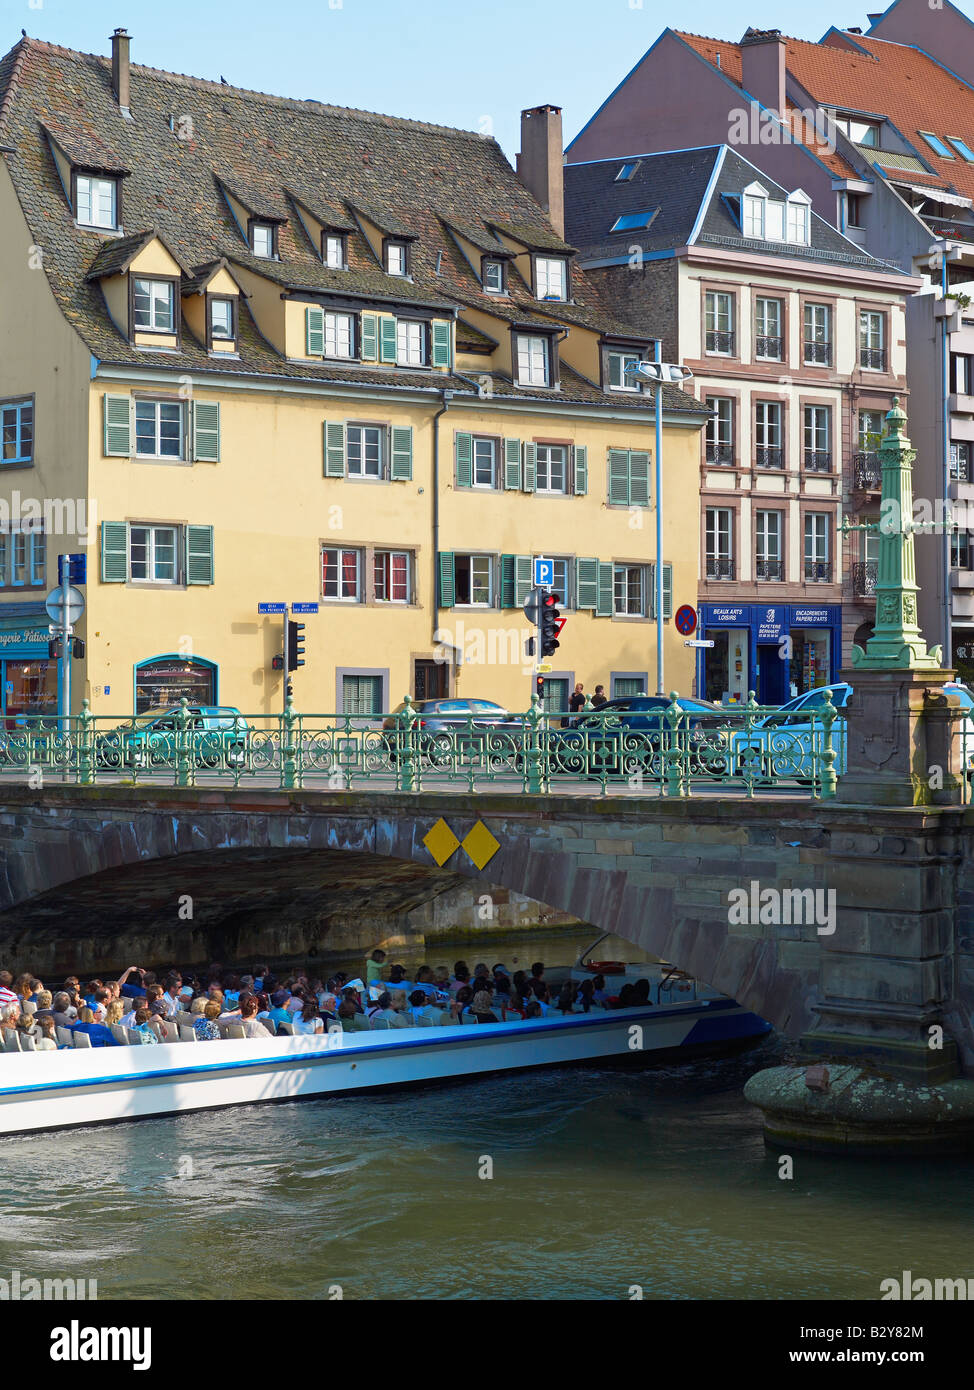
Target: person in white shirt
pixel 309 1020
pixel 248 1020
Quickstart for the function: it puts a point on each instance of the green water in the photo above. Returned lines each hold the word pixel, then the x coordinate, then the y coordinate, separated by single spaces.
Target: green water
pixel 602 1179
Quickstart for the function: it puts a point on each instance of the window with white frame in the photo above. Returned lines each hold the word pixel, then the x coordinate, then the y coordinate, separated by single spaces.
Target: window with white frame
pixel 474 580
pixel 818 568
pixel 552 468
pixel 17 431
pixel 753 217
pixel 339 335
pixel 153 554
pixel 617 363
pixel 364 450
pixel 25 553
pixel 221 318
pixel 410 343
pixel 799 223
pixel 341 574
pixel 391 576
pixel 817 325
pixel 720 430
pixel 262 240
pixel 335 251
pixel 768 434
pixel 154 306
pixel 872 344
pixel 859 132
pixel 767 545
pixel 818 438
pixel 493 276
pixel 396 257
pixel 551 277
pixel 485 462
pixel 719 545
pixel 775 219
pixel 533 360
pixel 719 321
pixel 870 431
pixel 97 200
pixel 629 590
pixel 159 429
pixel 768 318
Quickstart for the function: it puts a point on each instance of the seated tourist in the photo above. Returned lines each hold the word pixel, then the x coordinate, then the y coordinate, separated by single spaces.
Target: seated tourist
pixel 511 1007
pixel 382 1009
pixel 22 987
pixel 205 1024
pixel 44 1003
pixel 9 1014
pixel 640 993
pixel 88 995
pixel 264 1010
pixel 47 1042
pixel 397 977
pixel 351 1020
pixel 533 1009
pixel 424 981
pixel 480 1008
pixel 461 977
pixel 100 1007
pixel 35 988
pixel 627 997
pixel 480 974
pixel 279 1012
pixel 115 1012
pixel 420 1006
pixel 26 1027
pixel 461 1005
pixel 309 1019
pixel 566 999
pixel 538 990
pixel 584 996
pixel 158 1021
pixel 143 1027
pixel 171 997
pixel 600 994
pixel 62 1010
pixel 100 1035
pixel 249 1021
pixel 7 995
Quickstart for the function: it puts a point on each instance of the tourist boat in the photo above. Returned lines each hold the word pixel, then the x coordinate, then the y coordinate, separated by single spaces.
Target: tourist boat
pixel 75 1086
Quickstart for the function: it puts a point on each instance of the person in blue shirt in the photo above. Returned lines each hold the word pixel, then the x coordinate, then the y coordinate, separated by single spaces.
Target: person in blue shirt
pixel 100 1035
pixel 132 989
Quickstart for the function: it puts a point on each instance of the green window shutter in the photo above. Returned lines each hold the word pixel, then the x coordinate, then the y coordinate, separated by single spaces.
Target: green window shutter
pixel 603 608
pixel 464 448
pixel 638 478
pixel 206 431
pixel 586 583
pixel 442 343
pixel 114 552
pixel 334 449
pixel 508 590
pixel 369 349
pixel 530 468
pixel 387 339
pixel 315 332
pixel 523 574
pixel 118 426
pixel 512 464
pixel 667 591
pixel 199 554
pixel 619 477
pixel 402 453
pixel 448 589
pixel 581 470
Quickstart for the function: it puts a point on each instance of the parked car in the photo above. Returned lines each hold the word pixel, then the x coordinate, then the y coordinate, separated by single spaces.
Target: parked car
pixel 218 738
pixel 450 727
pixel 631 734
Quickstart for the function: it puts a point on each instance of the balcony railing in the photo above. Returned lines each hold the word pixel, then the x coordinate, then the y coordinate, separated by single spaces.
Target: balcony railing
pixel 720 567
pixel 818 461
pixel 868 472
pixel 864 575
pixel 768 348
pixel 873 358
pixel 768 458
pixel 818 353
pixel 769 569
pixel 720 453
pixel 720 340
pixel 818 571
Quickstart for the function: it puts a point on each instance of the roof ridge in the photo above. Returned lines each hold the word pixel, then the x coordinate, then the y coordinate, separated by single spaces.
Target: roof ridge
pixel 786 38
pixel 290 103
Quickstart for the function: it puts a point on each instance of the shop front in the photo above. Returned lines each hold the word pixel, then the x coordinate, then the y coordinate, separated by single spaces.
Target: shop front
pixel 28 678
pixel 777 650
pixel 165 680
pixel 963 653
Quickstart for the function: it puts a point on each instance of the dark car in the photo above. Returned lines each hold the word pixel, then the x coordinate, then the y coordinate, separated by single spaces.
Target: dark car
pixel 455 728
pixel 631 735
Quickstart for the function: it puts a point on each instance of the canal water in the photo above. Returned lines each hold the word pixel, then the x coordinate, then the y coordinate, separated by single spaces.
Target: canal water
pixel 604 1182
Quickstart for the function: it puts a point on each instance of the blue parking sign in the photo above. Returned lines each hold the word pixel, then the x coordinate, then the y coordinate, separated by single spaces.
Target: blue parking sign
pixel 544 573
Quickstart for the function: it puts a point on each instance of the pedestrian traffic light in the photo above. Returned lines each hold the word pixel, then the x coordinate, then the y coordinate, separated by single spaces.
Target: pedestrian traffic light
pixel 78 647
pixel 277 663
pixel 295 645
pixel 551 624
pixel 539 687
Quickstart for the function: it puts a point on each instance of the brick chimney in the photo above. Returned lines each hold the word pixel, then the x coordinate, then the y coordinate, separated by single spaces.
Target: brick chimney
pixel 120 68
pixel 540 164
pixel 763 67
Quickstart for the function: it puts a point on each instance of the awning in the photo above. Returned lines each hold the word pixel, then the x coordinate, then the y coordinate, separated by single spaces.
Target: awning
pixel 939 195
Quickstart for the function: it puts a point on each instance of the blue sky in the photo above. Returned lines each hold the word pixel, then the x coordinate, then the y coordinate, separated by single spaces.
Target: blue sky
pixel 450 61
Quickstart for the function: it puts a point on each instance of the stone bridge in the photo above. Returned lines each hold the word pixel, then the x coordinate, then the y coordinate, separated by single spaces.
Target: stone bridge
pixel 89 875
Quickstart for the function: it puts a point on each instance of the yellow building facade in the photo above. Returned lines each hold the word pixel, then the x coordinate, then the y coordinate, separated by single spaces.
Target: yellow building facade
pixel 374 408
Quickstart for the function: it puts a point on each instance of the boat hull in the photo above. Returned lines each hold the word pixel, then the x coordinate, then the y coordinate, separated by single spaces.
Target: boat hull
pixel 55 1090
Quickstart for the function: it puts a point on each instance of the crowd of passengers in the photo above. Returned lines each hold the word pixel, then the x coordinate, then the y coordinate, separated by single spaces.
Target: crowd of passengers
pixel 146 1009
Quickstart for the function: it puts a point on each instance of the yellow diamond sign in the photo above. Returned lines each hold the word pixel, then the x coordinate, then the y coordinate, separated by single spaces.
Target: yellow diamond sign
pixel 441 842
pixel 480 844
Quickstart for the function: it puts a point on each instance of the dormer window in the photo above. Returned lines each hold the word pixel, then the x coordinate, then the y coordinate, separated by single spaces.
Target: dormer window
pixel 493 277
pixel 334 251
pixel 799 218
pixel 263 240
pixel 96 201
pixel 153 306
pixel 221 319
pixel 771 219
pixel 396 259
pixel 859 132
pixel 551 277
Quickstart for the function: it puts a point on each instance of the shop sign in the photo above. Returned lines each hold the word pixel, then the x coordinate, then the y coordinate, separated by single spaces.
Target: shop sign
pixel 770 623
pixel 725 615
pixel 811 617
pixel 24 637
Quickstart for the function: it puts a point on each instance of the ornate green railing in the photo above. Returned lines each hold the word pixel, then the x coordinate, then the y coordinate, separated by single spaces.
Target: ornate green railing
pixel 670 750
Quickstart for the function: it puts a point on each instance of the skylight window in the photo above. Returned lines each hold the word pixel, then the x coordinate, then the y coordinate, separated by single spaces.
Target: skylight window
pixel 962 148
pixel 627 171
pixel 633 221
pixel 937 145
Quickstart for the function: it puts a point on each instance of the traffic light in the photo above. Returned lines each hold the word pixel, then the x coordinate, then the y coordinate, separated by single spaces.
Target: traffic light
pixel 551 624
pixel 78 647
pixel 277 663
pixel 295 645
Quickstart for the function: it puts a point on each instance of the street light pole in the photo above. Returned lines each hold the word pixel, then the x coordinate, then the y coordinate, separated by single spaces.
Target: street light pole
pixel 659 372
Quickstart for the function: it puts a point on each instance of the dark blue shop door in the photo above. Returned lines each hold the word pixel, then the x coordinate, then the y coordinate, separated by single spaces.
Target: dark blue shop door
pixel 772 675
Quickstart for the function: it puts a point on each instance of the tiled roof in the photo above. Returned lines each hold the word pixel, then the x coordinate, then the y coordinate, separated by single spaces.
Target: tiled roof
pixel 536 238
pixel 855 73
pixel 187 134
